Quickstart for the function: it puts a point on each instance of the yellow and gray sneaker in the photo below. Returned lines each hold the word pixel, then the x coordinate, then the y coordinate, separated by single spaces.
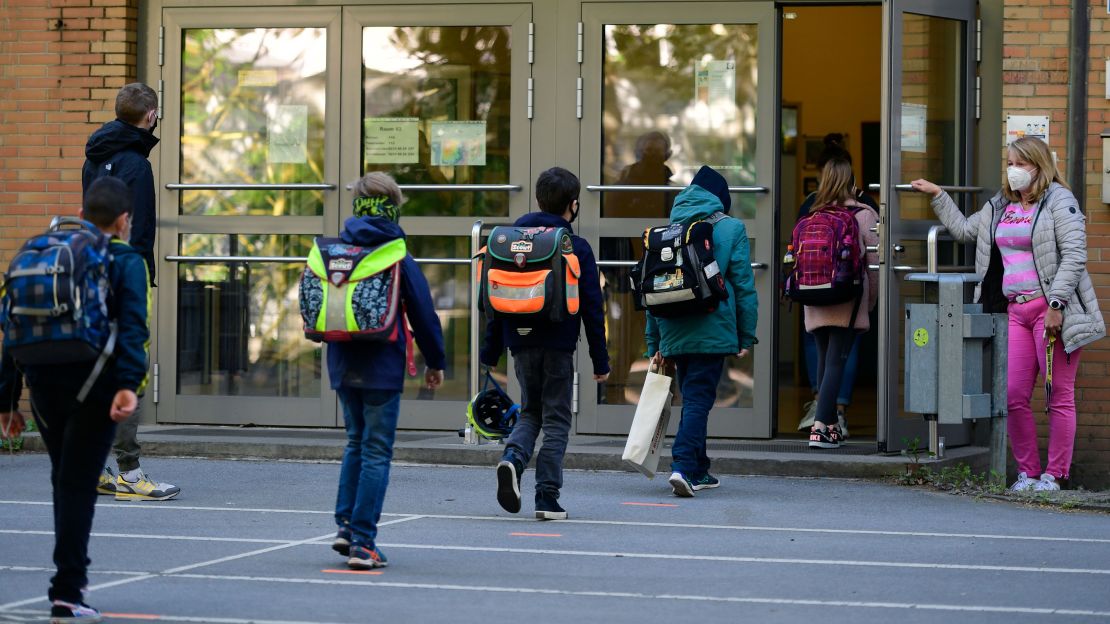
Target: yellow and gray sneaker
pixel 106 483
pixel 142 488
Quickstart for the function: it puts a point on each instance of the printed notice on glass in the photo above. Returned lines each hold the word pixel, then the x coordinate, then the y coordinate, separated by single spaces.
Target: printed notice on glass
pixel 458 143
pixel 715 89
pixel 287 130
pixel 913 127
pixel 390 140
pixel 1018 126
pixel 258 78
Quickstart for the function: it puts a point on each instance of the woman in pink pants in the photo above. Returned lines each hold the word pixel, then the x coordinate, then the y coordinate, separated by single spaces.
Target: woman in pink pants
pixel 1031 252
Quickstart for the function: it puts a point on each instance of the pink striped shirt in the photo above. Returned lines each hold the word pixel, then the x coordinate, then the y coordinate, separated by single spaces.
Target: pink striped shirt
pixel 1014 237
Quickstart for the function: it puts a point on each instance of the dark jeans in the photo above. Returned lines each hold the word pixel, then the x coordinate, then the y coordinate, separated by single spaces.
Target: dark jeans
pixel 371 419
pixel 851 368
pixel 833 346
pixel 698 376
pixel 126 445
pixel 546 387
pixel 77 437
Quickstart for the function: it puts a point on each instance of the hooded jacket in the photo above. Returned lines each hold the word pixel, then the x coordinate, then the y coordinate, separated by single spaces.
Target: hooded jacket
pixel 731 327
pixel 1059 254
pixel 562 336
pixel 129 306
pixel 120 150
pixel 381 365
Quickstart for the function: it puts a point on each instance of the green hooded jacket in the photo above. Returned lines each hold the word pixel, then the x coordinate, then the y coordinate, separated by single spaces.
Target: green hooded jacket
pixel 731 327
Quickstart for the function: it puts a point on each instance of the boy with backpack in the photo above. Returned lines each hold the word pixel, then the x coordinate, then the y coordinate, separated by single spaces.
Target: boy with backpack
pixel 826 267
pixel 543 349
pixel 698 342
pixel 367 372
pixel 85 371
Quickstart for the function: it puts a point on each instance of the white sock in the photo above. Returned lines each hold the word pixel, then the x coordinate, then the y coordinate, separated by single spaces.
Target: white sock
pixel 132 475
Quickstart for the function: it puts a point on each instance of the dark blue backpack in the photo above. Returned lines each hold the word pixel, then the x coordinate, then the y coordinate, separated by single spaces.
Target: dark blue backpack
pixel 55 299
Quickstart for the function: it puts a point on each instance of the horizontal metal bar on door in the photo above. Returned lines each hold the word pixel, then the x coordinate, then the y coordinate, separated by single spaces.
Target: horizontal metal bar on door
pixel 663 188
pixel 174 186
pixel 756 266
pixel 903 268
pixel 947 189
pixel 469 188
pixel 287 260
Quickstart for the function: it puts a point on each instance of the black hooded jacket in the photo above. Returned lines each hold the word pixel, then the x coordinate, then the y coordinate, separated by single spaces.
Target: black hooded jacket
pixel 120 150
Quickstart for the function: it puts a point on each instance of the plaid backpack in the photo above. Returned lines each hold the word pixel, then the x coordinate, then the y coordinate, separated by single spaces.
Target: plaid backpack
pixel 350 292
pixel 55 299
pixel 529 272
pixel 828 266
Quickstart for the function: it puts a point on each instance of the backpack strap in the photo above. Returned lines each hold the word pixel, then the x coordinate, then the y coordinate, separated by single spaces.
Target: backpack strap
pixel 715 217
pixel 101 361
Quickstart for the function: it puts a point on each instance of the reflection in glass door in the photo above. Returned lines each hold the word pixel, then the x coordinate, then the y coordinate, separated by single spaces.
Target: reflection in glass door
pixel 928 105
pixel 437 98
pixel 250 168
pixel 666 90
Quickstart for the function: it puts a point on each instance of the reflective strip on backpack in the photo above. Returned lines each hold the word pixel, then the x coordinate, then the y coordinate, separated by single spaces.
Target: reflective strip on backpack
pixel 517 293
pixel 574 271
pixel 380 259
pixel 55 311
pixel 673 296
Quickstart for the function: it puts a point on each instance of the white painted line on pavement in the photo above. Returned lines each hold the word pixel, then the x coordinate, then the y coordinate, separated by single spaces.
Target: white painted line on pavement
pixel 193 538
pixel 730 559
pixel 42 569
pixel 695 598
pixel 171 618
pixel 661 525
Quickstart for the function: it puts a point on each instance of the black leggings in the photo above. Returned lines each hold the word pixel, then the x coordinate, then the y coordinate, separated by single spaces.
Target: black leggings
pixel 833 346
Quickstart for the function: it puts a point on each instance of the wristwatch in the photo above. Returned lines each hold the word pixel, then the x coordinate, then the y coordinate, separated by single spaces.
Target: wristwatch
pixel 1056 304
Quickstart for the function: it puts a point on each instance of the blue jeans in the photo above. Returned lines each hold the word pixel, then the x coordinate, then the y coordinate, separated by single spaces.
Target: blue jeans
pixel 851 367
pixel 371 419
pixel 546 388
pixel 698 376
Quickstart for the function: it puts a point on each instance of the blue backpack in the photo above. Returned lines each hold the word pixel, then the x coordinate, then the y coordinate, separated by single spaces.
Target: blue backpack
pixel 55 299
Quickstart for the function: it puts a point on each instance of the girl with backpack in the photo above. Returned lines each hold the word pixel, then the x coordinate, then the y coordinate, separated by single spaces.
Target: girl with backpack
pixel 836 325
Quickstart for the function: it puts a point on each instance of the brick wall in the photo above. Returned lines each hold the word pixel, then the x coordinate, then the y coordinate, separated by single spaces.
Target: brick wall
pixel 1035 81
pixel 61 63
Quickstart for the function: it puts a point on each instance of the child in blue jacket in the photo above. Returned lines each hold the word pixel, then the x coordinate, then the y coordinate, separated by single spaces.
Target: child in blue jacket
pixel 79 434
pixel 543 353
pixel 699 344
pixel 369 378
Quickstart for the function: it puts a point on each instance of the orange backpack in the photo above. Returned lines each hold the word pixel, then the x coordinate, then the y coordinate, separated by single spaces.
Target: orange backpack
pixel 529 273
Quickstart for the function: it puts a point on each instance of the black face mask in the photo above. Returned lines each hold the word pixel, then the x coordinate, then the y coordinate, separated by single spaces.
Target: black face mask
pixel 574 212
pixel 153 125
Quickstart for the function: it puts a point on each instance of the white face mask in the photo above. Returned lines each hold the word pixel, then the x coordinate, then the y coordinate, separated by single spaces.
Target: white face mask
pixel 1019 178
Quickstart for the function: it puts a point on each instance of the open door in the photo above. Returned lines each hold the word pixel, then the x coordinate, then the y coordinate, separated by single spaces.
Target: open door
pixel 928 114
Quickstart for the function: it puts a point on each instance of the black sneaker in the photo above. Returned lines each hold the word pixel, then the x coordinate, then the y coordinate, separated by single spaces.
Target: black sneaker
pixel 705 482
pixel 62 612
pixel 508 484
pixel 547 507
pixel 827 438
pixel 680 485
pixel 342 542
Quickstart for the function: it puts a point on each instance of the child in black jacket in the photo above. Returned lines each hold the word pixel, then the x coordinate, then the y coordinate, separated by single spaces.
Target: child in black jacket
pixel 544 357
pixel 79 434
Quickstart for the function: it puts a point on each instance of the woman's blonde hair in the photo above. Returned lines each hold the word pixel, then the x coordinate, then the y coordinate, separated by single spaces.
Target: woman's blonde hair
pixel 1035 152
pixel 835 186
pixel 378 183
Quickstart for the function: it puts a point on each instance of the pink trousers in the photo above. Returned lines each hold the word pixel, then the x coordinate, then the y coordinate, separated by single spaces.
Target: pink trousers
pixel 1026 363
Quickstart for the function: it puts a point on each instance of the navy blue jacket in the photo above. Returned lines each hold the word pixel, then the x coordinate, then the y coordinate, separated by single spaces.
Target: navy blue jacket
pixel 561 336
pixel 381 365
pixel 128 304
pixel 120 150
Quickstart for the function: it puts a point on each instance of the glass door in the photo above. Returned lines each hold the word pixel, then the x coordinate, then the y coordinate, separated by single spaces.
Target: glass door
pixel 250 170
pixel 438 98
pixel 928 115
pixel 665 89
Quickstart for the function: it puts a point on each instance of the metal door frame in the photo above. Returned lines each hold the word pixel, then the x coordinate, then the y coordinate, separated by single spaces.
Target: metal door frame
pixel 754 422
pixel 893 230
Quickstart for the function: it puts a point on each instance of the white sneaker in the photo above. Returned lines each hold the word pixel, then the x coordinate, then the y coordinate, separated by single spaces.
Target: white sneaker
pixel 811 412
pixel 1023 483
pixel 842 424
pixel 1046 484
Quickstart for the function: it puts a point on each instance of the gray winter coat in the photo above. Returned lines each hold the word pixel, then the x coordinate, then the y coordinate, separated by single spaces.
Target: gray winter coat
pixel 1059 253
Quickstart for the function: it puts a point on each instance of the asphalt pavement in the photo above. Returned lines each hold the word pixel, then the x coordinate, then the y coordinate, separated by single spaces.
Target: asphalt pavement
pixel 248 541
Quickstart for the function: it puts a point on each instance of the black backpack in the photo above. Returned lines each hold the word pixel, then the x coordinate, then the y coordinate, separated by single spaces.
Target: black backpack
pixel 678 275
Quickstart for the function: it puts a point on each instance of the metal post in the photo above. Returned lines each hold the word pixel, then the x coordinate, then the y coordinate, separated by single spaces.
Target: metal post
pixel 998 396
pixel 469 436
pixel 931 247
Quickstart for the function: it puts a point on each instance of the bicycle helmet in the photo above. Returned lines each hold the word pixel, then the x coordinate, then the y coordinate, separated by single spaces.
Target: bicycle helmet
pixel 491 412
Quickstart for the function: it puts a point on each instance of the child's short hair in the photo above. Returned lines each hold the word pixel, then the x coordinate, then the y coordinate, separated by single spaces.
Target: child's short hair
pixel 555 189
pixel 134 101
pixel 105 201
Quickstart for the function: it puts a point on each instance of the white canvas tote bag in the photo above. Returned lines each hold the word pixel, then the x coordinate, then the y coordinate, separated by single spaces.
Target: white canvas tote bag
pixel 649 425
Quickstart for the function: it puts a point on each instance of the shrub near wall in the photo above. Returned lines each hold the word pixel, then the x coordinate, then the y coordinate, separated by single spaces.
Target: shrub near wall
pixel 1036 41
pixel 61 63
